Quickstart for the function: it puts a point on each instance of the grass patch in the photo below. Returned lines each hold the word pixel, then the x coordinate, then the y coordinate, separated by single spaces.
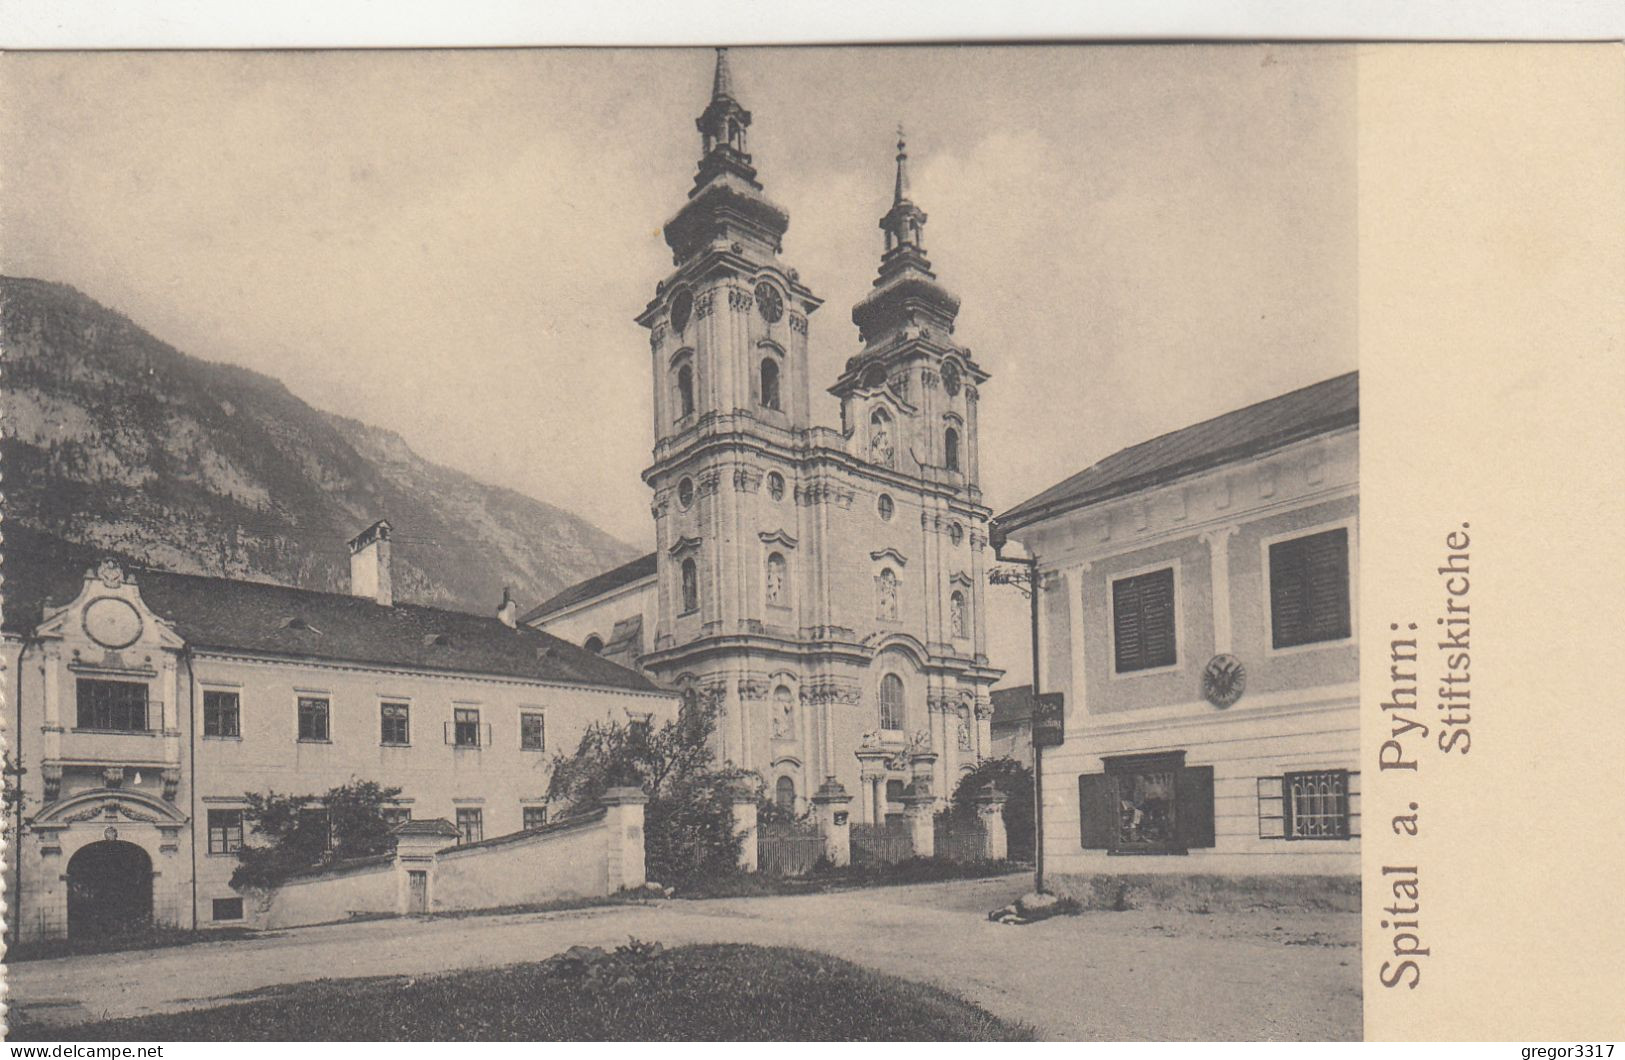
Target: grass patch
pixel 155 939
pixel 638 993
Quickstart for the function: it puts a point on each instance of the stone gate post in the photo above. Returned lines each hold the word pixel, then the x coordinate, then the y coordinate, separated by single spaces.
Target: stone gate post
pixel 830 803
pixel 623 831
pixel 990 810
pixel 744 807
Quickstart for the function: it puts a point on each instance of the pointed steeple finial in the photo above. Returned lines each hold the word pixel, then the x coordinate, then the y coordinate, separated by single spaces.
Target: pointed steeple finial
pixel 901 194
pixel 722 85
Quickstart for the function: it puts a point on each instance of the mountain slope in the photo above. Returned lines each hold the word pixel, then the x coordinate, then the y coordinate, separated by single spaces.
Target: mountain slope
pixel 114 439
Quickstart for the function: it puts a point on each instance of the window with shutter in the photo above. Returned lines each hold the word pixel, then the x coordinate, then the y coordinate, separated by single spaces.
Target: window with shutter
pixel 1147 804
pixel 1143 621
pixel 1309 589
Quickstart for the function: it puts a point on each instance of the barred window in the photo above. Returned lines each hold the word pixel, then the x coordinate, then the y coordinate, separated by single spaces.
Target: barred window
pixel 117 706
pixel 1318 804
pixel 1309 589
pixel 535 817
pixel 1143 621
pixel 395 724
pixel 221 714
pixel 532 732
pixel 225 831
pixel 470 824
pixel 313 711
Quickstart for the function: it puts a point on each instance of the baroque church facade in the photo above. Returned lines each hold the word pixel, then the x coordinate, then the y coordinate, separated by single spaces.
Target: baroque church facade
pixel 822 587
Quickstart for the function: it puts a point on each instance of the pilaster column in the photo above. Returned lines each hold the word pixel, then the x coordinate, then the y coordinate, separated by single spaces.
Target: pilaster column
pixel 1218 543
pixel 1074 602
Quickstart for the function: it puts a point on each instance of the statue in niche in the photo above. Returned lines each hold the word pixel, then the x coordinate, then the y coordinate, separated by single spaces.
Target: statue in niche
pixel 964 727
pixel 784 714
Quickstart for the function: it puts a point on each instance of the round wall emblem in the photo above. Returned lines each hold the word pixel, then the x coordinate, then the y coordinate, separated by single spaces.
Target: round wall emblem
pixel 770 302
pixel 682 307
pixel 113 623
pixel 1224 679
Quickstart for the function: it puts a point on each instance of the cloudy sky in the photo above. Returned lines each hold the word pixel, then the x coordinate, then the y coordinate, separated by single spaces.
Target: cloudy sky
pixel 454 244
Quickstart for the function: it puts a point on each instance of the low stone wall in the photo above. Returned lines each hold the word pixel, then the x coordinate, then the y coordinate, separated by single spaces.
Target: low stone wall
pixel 590 856
pixel 1209 893
pixel 362 887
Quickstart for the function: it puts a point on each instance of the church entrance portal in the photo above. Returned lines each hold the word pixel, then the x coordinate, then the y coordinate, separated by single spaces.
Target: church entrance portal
pixel 109 890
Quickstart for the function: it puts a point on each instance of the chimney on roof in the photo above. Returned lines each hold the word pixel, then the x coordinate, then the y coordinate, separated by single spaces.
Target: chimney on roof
pixel 508 610
pixel 369 565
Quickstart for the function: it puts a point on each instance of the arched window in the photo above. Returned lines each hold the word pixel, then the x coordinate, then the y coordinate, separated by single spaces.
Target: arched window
pixel 690 703
pixel 691 586
pixel 886 595
pixel 777 592
pixel 594 644
pixel 891 702
pixel 770 383
pixel 685 391
pixel 784 794
pixel 956 608
pixel 950 449
pixel 881 445
pixel 784 713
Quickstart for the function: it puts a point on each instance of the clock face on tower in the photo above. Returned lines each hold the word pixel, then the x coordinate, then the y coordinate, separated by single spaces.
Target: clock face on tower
pixel 682 306
pixel 769 302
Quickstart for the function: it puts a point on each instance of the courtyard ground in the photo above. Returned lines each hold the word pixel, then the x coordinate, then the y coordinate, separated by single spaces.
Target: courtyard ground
pixel 1102 975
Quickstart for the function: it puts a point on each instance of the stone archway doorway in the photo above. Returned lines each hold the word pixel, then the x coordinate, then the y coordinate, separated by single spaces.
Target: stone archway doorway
pixel 109 890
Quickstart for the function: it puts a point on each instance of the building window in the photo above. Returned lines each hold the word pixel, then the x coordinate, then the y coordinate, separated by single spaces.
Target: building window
pixel 532 732
pixel 885 506
pixel 784 795
pixel 465 727
pixel 313 711
pixel 891 702
pixel 777 595
pixel 594 644
pixel 685 492
pixel 775 485
pixel 895 790
pixel 1319 804
pixel 886 607
pixel 535 817
pixel 950 449
pixel 396 724
pixel 470 824
pixel 1147 804
pixel 691 586
pixel 395 816
pixel 770 383
pixel 116 706
pixel 881 445
pixel 225 831
pixel 685 391
pixel 1309 589
pixel 1143 621
pixel 956 611
pixel 221 714
pixel 228 909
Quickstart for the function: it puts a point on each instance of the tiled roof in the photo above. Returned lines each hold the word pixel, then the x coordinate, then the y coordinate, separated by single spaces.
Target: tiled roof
pixel 1324 407
pixel 230 615
pixel 1012 705
pixel 597 585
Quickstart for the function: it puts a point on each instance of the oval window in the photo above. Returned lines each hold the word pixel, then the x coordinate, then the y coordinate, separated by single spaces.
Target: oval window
pixel 885 506
pixel 685 492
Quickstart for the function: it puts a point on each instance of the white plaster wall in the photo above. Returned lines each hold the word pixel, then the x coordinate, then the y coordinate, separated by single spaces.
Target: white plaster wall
pixel 328 898
pixel 570 862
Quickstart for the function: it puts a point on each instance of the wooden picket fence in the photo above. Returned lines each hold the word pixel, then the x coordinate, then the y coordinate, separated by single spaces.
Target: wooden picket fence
pixel 782 851
pixel 959 840
pixel 880 844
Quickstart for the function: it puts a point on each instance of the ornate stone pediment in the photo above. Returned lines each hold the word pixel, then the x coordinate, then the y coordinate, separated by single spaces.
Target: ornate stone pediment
pixel 771 537
pixel 683 544
pixel 891 554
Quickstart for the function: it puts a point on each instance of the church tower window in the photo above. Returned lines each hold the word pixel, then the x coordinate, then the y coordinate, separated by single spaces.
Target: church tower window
pixel 950 448
pixel 891 702
pixel 885 506
pixel 685 492
pixel 691 586
pixel 956 608
pixel 777 593
pixel 886 595
pixel 770 383
pixel 685 390
pixel 775 485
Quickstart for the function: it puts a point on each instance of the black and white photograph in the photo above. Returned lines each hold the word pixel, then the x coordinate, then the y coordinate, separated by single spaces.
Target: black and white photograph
pixel 731 543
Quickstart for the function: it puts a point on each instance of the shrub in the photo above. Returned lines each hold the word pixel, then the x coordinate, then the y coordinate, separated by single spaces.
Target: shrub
pixel 688 830
pixel 304 832
pixel 1016 781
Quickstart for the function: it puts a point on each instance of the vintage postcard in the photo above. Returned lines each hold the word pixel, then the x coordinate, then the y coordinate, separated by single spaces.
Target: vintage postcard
pixel 972 542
